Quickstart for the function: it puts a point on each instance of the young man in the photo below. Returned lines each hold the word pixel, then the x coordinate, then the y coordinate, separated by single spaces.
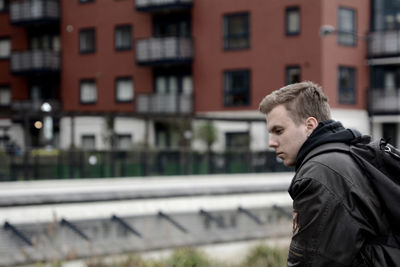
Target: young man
pixel 336 214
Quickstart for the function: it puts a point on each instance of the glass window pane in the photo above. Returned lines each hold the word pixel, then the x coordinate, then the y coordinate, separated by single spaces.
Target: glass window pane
pixel 292 75
pixel 237 88
pixel 5 96
pixel 124 141
pixel 124 90
pixel 5 48
pixel 187 85
pixel 293 21
pixel 161 84
pixel 87 41
pixel 347 85
pixel 173 84
pixel 346 21
pixel 88 142
pixel 88 92
pixel 123 37
pixel 236 31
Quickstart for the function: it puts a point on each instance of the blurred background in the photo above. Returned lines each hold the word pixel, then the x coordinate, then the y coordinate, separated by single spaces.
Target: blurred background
pixel 167 91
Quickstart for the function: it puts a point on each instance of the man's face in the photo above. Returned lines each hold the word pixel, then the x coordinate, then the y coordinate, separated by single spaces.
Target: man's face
pixel 285 137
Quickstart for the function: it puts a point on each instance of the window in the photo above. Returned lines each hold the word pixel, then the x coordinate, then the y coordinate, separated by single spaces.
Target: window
pixel 174 84
pixel 176 26
pixel 88 92
pixel 347 27
pixel 347 88
pixel 293 74
pixel 237 88
pixel 5 48
pixel 124 90
pixel 124 141
pixel 123 37
pixel 292 21
pixel 238 140
pixel 88 142
pixel 236 31
pixel 87 41
pixel 5 96
pixel 4 5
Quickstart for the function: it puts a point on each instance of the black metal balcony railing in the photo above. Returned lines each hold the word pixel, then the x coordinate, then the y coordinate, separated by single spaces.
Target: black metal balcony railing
pixel 34 106
pixel 384 101
pixel 35 61
pixel 38 11
pixel 156 5
pixel 384 43
pixel 164 103
pixel 166 50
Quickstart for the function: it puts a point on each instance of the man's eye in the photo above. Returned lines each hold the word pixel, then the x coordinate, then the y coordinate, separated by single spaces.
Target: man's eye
pixel 279 131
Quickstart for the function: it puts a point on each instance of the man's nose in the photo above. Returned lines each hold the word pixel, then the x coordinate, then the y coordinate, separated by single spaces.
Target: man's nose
pixel 272 142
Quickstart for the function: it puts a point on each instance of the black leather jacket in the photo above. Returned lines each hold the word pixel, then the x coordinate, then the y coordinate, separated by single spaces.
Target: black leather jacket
pixel 336 213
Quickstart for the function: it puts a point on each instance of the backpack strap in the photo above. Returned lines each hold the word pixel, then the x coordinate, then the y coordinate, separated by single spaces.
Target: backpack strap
pixel 325 148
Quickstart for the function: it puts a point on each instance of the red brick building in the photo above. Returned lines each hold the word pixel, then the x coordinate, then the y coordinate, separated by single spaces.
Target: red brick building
pixel 144 71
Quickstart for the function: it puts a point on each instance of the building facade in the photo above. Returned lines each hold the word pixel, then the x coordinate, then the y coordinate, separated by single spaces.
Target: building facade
pixel 132 73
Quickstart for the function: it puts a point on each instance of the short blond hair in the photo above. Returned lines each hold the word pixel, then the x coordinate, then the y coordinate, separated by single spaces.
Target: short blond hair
pixel 302 100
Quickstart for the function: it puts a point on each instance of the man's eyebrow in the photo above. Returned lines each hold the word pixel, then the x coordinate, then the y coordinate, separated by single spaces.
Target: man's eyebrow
pixel 275 128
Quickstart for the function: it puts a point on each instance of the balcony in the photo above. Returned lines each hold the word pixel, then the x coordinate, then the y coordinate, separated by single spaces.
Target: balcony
pixel 164 103
pixel 384 101
pixel 384 44
pixel 168 50
pixel 163 5
pixel 30 62
pixel 37 12
pixel 34 106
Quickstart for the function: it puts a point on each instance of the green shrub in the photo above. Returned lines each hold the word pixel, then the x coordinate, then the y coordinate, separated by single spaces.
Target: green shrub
pixel 188 257
pixel 264 256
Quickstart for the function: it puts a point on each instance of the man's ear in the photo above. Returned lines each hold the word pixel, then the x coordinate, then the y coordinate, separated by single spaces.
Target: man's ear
pixel 311 124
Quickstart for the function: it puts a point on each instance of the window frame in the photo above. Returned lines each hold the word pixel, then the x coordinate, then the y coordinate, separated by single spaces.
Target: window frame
pixel 352 88
pixel 124 78
pixel 86 1
pixel 288 68
pixel 118 141
pixel 7 57
pixel 229 138
pixel 91 136
pixel 6 87
pixel 341 32
pixel 80 91
pixel 227 36
pixel 88 50
pixel 227 74
pixel 121 27
pixel 288 10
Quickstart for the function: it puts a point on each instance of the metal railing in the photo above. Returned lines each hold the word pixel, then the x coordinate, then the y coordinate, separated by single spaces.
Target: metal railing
pixel 28 165
pixel 164 50
pixel 382 100
pixel 159 4
pixel 34 61
pixel 27 11
pixel 34 106
pixel 384 43
pixel 164 103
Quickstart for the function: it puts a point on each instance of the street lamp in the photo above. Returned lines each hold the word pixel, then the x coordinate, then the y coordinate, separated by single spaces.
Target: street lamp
pixel 326 30
pixel 47 124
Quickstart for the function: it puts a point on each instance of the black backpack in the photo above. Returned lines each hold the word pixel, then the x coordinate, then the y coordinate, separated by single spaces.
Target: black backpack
pixel 380 162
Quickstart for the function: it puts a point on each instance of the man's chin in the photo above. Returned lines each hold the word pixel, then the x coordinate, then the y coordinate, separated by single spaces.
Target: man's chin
pixel 288 163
